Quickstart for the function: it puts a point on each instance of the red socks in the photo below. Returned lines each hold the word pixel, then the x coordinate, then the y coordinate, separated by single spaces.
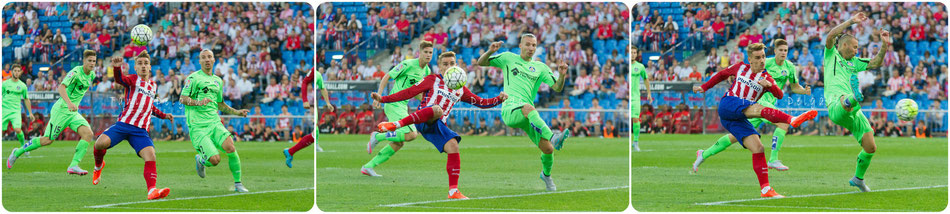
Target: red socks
pixel 760 168
pixel 417 117
pixel 99 154
pixel 150 174
pixel 453 167
pixel 303 143
pixel 775 116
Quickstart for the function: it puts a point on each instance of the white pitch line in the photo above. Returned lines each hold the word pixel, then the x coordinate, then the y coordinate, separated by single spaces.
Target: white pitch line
pixel 483 208
pixel 501 196
pixel 816 195
pixel 188 209
pixel 827 208
pixel 195 197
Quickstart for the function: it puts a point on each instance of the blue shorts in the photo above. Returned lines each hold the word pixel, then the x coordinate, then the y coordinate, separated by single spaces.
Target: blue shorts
pixel 138 138
pixel 438 134
pixel 732 118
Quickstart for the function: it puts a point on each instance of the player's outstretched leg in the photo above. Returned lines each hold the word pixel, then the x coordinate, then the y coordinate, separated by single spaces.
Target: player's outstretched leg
pixel 778 136
pixel 864 161
pixel 32 145
pixel 150 173
pixel 724 142
pixel 420 116
pixel 397 138
pixel 302 143
pixel 776 116
pixel 81 147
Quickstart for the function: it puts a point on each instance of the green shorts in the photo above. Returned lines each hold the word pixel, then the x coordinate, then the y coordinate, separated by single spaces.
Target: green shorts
pixel 13 118
pixel 854 121
pixel 207 139
pixel 759 121
pixel 59 119
pixel 514 118
pixel 395 112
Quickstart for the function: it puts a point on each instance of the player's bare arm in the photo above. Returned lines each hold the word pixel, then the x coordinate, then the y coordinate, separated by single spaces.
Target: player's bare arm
pixel 223 107
pixel 382 87
pixel 186 100
pixel 326 99
pixel 798 89
pixel 838 30
pixel 878 59
pixel 484 59
pixel 646 83
pixel 562 70
pixel 29 108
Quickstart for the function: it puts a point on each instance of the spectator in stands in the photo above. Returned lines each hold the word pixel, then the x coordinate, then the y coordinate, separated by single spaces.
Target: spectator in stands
pixel 270 135
pixel 272 92
pixel 467 127
pixel 681 119
pixel 581 83
pixel 365 119
pixel 579 129
pixel 482 129
pixel 595 117
pixel 498 129
pixel 283 124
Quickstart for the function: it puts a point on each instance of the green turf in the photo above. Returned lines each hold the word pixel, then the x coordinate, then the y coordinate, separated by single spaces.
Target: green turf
pixel 491 167
pixel 818 165
pixel 39 182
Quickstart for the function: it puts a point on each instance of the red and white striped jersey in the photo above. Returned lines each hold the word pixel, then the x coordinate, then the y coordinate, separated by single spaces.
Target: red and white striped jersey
pixel 435 93
pixel 139 95
pixel 746 85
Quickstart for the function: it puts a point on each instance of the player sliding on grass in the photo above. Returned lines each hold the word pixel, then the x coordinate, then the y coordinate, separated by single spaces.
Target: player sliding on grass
pixel 14 91
pixel 434 111
pixel 407 73
pixel 523 76
pixel 784 72
pixel 637 72
pixel 136 116
pixel 202 96
pixel 739 104
pixel 64 113
pixel 842 95
pixel 312 138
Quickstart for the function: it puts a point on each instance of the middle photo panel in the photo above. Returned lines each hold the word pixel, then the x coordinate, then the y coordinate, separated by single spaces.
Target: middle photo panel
pixel 536 91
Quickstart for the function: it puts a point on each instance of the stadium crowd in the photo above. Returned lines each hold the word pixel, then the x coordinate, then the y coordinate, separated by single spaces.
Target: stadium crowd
pixel 915 65
pixel 251 41
pixel 565 31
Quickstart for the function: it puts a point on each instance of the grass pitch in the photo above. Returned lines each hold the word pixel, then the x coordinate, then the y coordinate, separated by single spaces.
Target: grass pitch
pixel 906 174
pixel 498 174
pixel 39 182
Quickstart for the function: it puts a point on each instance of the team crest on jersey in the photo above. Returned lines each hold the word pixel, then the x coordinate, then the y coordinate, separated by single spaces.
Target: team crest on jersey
pixel 531 69
pixel 784 72
pixel 399 67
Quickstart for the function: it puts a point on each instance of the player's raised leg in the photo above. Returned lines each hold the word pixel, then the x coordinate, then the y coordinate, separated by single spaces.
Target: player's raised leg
pixel 776 116
pixel 427 114
pixel 302 143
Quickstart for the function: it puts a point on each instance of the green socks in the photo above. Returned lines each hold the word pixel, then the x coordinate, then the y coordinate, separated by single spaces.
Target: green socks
pixel 538 124
pixel 864 160
pixel 397 136
pixel 81 148
pixel 777 138
pixel 19 136
pixel 35 143
pixel 316 136
pixel 720 145
pixel 636 132
pixel 234 162
pixel 547 160
pixel 381 157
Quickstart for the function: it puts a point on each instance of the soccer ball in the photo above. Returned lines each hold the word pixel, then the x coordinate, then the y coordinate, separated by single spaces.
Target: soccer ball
pixel 454 77
pixel 141 35
pixel 906 109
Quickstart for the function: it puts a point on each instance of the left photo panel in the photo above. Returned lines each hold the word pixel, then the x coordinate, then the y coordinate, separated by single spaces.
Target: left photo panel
pixel 181 106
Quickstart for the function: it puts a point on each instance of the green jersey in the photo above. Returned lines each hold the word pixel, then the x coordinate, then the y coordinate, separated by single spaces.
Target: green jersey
pixel 14 91
pixel 199 86
pixel 318 80
pixel 838 72
pixel 406 74
pixel 637 73
pixel 783 74
pixel 77 82
pixel 522 78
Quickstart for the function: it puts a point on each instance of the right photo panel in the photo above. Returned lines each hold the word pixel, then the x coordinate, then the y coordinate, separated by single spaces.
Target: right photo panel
pixel 789 107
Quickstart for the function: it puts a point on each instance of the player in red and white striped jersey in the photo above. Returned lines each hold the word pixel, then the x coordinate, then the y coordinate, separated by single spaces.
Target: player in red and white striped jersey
pixel 132 124
pixel 739 104
pixel 432 114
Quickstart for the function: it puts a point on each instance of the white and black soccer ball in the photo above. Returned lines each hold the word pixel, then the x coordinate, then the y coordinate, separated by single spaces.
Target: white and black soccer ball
pixel 141 35
pixel 454 77
pixel 906 109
